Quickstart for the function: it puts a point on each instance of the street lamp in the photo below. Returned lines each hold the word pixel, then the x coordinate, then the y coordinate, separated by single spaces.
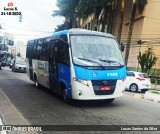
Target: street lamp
pixel 139 42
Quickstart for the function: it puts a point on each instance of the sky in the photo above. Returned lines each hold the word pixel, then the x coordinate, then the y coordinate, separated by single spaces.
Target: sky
pixel 36 18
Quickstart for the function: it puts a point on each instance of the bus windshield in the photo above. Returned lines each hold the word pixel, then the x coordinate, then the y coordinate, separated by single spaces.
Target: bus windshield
pixel 95 51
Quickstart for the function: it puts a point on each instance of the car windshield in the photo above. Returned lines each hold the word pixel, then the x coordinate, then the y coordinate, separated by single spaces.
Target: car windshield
pixel 20 62
pixel 143 75
pixel 96 51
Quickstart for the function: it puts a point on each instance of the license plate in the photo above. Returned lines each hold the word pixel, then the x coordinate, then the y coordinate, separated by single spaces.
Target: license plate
pixel 105 88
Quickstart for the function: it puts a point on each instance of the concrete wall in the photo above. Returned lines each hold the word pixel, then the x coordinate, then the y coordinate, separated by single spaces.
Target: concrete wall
pixel 146 28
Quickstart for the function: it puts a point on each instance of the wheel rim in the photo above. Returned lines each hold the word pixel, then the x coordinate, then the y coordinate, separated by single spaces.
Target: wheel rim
pixel 133 88
pixel 36 83
pixel 64 94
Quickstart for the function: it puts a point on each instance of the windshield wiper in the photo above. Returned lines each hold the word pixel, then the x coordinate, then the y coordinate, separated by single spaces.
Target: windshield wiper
pixel 92 61
pixel 110 61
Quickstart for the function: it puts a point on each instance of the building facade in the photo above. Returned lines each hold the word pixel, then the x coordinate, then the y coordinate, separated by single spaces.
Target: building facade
pixel 146 28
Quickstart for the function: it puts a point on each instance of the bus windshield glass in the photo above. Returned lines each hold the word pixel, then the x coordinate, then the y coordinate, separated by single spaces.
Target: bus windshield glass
pixel 95 51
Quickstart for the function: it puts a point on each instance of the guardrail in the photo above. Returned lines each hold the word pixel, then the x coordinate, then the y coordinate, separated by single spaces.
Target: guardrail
pixel 155 83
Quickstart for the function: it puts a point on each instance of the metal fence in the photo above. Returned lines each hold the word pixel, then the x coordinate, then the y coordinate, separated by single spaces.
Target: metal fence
pixel 155 83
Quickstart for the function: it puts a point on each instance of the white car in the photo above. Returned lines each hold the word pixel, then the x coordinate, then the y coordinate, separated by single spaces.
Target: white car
pixel 136 81
pixel 19 65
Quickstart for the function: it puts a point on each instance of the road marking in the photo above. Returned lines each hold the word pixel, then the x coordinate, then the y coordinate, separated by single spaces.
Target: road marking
pixel 1 123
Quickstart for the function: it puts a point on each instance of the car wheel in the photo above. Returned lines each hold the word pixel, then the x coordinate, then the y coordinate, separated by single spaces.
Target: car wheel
pixel 0 67
pixel 109 100
pixel 134 87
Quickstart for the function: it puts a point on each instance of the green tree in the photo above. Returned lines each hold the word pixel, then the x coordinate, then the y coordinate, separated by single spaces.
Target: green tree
pixel 121 21
pixel 95 7
pixel 147 60
pixel 142 58
pixel 67 10
pixel 140 5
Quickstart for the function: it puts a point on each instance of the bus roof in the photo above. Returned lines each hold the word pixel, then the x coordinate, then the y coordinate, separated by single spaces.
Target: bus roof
pixel 74 32
pixel 81 31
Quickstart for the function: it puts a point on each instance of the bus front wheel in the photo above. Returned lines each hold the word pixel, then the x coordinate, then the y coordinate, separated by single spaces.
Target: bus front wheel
pixel 64 94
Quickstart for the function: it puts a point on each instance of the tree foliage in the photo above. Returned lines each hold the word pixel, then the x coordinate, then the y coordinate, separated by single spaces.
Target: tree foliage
pixel 147 60
pixel 83 8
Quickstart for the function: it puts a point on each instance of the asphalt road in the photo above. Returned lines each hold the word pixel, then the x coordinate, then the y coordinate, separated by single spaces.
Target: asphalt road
pixel 42 107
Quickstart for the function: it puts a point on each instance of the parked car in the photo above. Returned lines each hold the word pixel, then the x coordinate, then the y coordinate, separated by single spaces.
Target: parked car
pixel 19 66
pixel 1 63
pixel 136 81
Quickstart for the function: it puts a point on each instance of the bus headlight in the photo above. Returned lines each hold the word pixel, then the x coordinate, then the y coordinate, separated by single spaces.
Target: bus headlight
pixel 84 82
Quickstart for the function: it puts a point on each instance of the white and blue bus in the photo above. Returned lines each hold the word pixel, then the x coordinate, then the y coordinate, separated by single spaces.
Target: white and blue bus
pixel 78 64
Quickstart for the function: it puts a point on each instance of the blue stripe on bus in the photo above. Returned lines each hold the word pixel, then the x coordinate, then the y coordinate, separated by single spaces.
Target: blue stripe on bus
pixel 64 76
pixel 60 32
pixel 86 74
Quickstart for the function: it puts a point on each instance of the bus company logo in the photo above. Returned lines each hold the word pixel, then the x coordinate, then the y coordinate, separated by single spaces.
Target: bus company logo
pixel 94 74
pixel 105 82
pixel 6 128
pixel 11 9
pixel 10 4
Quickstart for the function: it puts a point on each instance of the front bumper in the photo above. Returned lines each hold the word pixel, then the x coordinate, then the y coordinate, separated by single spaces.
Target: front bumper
pixel 20 69
pixel 82 92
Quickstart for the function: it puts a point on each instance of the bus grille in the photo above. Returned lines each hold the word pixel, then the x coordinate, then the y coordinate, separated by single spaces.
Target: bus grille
pixel 97 83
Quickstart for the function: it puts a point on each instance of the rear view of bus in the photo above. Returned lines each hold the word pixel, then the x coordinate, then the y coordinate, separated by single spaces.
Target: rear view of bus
pixel 97 67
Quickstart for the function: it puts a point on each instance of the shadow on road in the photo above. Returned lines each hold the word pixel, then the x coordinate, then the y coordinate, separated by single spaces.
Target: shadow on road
pixel 80 103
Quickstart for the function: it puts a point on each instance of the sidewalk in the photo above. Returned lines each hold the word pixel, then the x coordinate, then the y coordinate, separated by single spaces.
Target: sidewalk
pixel 158 87
pixel 10 115
pixel 147 96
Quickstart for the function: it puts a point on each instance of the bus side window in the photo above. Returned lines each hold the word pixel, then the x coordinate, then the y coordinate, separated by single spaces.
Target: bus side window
pixel 45 52
pixel 63 53
pixel 34 50
pixel 51 50
pixel 39 52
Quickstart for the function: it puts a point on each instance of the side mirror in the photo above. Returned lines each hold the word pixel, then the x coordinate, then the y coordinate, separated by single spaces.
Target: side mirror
pixel 121 46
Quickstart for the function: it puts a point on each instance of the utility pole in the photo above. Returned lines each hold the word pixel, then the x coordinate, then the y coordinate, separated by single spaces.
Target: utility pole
pixel 139 42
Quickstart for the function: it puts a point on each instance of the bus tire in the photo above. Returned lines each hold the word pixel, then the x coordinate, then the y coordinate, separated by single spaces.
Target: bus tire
pixel 64 94
pixel 36 82
pixel 0 68
pixel 109 100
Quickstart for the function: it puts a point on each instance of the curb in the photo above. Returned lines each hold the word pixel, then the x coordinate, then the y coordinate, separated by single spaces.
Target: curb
pixel 136 96
pixel 9 115
pixel 147 96
pixel 151 96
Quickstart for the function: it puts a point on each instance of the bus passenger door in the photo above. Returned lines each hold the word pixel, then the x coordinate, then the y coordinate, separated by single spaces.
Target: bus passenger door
pixel 29 55
pixel 30 69
pixel 53 77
